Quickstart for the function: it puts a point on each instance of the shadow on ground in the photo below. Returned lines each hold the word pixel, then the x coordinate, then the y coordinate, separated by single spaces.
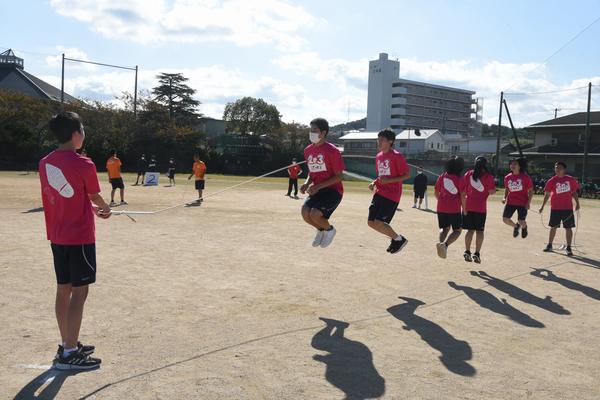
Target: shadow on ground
pixel 548 275
pixel 454 353
pixel 45 386
pixel 349 364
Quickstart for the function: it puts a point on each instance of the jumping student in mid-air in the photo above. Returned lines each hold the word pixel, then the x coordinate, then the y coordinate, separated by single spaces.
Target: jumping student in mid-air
pixel 518 192
pixel 324 183
pixel 448 189
pixel 198 171
pixel 113 166
pixel 479 184
pixel 562 190
pixel 69 187
pixel 392 169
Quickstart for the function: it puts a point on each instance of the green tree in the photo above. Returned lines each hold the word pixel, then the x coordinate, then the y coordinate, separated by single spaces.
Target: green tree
pixel 174 94
pixel 251 115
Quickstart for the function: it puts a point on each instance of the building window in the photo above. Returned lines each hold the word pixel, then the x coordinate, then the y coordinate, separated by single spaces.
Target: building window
pixel 401 144
pixel 431 145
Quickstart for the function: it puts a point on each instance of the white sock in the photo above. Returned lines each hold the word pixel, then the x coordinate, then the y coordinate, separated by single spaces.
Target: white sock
pixel 67 352
pixel 399 237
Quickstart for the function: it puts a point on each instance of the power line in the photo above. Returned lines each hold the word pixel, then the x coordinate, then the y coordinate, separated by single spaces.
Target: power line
pixel 560 49
pixel 548 92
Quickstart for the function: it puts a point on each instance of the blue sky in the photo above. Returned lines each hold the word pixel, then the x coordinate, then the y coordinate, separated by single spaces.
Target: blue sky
pixel 310 58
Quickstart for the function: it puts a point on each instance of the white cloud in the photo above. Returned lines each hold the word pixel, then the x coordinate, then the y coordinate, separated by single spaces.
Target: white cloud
pixel 70 52
pixel 242 22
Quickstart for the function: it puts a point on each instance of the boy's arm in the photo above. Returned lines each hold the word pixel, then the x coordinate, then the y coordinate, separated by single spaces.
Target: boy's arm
pixel 505 195
pixel 463 202
pixel 331 181
pixel 546 197
pixel 529 197
pixel 103 208
pixel 306 184
pixel 385 181
pixel 436 193
pixel 576 198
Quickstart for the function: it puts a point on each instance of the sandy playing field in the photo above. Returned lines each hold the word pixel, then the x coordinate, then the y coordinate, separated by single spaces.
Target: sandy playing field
pixel 230 301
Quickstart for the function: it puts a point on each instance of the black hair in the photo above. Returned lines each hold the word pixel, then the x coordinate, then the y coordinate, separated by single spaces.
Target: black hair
pixel 321 123
pixel 522 161
pixel 561 163
pixel 387 133
pixel 197 156
pixel 63 124
pixel 480 168
pixel 455 166
pixel 113 152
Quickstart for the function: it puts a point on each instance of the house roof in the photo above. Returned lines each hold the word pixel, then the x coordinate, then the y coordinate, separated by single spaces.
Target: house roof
pixel 410 134
pixel 571 120
pixel 360 135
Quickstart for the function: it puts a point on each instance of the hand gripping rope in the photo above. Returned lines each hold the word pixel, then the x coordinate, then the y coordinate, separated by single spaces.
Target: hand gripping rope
pixel 129 213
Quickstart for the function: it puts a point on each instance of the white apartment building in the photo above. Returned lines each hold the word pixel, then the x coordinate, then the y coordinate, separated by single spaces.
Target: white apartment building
pixel 405 104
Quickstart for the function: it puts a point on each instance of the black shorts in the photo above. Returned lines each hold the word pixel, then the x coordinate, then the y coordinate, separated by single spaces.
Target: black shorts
pixel 141 173
pixel 446 220
pixel 74 264
pixel 325 200
pixel 474 221
pixel 200 184
pixel 382 209
pixel 565 216
pixel 419 193
pixel 117 183
pixel 171 174
pixel 510 210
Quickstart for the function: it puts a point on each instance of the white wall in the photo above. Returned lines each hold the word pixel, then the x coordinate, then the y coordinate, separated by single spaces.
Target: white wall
pixel 543 138
pixel 382 74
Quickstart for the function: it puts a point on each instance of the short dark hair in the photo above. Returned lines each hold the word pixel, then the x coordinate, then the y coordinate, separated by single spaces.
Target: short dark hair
pixel 113 152
pixel 321 123
pixel 387 133
pixel 63 124
pixel 561 163
pixel 455 166
pixel 522 161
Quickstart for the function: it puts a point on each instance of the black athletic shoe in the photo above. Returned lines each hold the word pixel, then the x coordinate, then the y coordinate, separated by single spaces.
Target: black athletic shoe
pixel 477 258
pixel 77 361
pixel 516 231
pixel 467 256
pixel 85 349
pixel 569 252
pixel 548 248
pixel 397 245
pixel 524 232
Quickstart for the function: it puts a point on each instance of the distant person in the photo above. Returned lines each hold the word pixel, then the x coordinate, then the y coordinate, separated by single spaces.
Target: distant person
pixel 518 192
pixel 113 166
pixel 294 171
pixel 392 170
pixel 142 167
pixel 479 185
pixel 171 172
pixel 152 165
pixel 448 188
pixel 419 187
pixel 83 153
pixel 562 190
pixel 324 182
pixel 198 171
pixel 69 187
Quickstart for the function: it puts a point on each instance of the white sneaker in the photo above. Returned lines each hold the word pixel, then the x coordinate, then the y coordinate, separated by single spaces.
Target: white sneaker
pixel 328 237
pixel 414 206
pixel 318 239
pixel 442 250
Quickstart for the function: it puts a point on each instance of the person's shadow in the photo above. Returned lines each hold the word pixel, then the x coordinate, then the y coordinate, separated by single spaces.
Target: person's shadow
pixel 500 306
pixel 569 284
pixel 588 262
pixel 349 364
pixel 522 295
pixel 52 378
pixel 454 353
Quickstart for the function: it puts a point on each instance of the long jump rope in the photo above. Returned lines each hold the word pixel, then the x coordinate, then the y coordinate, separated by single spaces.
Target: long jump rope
pixel 129 213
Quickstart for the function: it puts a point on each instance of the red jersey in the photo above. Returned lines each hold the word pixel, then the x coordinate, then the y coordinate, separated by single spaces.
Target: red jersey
pixel 323 162
pixel 478 191
pixel 294 170
pixel 449 188
pixel 390 165
pixel 561 189
pixel 518 189
pixel 67 179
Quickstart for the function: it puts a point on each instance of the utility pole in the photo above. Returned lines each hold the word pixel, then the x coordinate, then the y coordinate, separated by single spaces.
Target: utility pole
pixel 586 137
pixel 135 93
pixel 499 133
pixel 62 84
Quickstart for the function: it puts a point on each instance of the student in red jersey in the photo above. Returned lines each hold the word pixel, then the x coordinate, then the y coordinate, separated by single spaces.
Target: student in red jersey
pixel 392 169
pixel 478 185
pixel 448 188
pixel 518 192
pixel 294 171
pixel 69 187
pixel 562 190
pixel 324 183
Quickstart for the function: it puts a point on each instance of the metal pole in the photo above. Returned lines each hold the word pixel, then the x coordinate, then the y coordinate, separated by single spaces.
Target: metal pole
pixel 135 93
pixel 514 131
pixel 499 133
pixel 555 112
pixel 586 135
pixel 62 84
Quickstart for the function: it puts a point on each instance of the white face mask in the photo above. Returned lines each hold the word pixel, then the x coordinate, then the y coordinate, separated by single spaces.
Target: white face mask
pixel 314 137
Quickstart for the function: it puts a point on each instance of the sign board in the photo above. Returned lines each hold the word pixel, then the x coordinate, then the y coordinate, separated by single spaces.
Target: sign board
pixel 151 179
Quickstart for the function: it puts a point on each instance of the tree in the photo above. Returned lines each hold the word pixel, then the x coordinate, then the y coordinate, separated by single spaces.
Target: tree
pixel 250 115
pixel 174 94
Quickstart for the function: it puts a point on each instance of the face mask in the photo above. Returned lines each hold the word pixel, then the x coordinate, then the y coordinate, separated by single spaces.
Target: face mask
pixel 419 172
pixel 314 137
pixel 293 162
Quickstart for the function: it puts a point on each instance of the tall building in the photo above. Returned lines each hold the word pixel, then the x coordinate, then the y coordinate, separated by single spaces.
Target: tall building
pixel 405 104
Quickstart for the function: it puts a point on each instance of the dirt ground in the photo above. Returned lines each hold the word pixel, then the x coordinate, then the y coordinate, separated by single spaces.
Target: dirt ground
pixel 230 301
